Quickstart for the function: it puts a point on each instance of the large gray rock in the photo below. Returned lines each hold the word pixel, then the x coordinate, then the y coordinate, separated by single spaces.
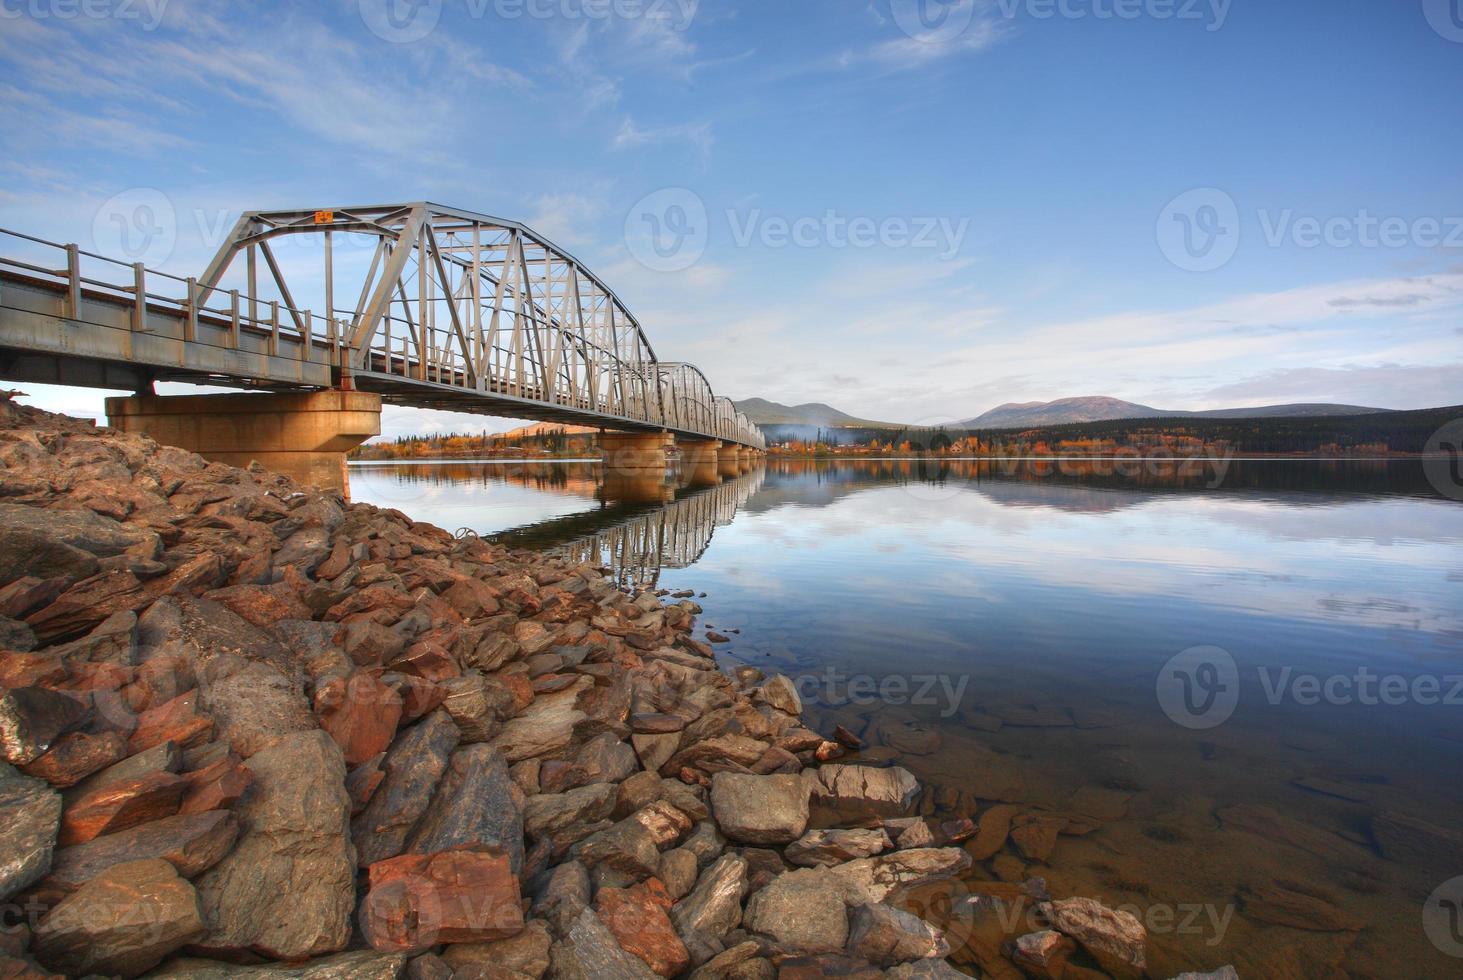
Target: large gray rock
pixel 413 766
pixel 557 816
pixel 359 965
pixel 714 907
pixel 627 846
pixel 296 845
pixel 760 809
pixel 124 921
pixel 30 814
pixel 887 936
pixel 801 911
pixel 473 809
pixel 589 951
pixel 545 726
pixel 850 795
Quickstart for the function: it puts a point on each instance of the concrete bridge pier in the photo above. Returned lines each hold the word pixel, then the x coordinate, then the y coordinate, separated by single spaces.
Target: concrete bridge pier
pixel 728 461
pixel 303 435
pixel 699 457
pixel 635 465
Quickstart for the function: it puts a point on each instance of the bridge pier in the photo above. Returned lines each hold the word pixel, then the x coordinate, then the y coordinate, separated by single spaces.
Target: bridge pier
pixel 304 435
pixel 728 461
pixel 634 452
pixel 699 457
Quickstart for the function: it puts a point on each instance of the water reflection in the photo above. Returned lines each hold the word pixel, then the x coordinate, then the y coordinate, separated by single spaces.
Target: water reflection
pixel 1047 598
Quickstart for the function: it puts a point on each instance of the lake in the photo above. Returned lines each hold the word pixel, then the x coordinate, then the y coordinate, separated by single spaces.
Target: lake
pixel 1231 693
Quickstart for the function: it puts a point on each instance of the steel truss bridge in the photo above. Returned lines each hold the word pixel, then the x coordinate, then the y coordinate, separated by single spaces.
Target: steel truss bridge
pixel 428 306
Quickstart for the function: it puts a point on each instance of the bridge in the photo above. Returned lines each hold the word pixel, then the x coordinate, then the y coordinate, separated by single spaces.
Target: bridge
pixel 328 313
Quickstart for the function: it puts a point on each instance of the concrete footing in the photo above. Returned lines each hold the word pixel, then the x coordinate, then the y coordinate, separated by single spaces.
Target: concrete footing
pixel 304 435
pixel 699 460
pixel 634 452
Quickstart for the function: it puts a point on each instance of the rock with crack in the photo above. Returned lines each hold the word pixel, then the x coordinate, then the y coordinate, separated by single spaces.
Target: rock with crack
pixel 359 965
pixel 637 916
pixel 760 809
pixel 589 951
pixel 545 726
pixel 296 843
pixel 413 767
pixel 862 796
pixel 822 848
pixel 877 877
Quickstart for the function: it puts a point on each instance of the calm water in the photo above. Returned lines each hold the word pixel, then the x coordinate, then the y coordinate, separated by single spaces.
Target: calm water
pixel 1009 633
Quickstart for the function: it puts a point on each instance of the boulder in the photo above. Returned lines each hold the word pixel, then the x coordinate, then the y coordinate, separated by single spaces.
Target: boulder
pixel 30 816
pixel 296 843
pixel 877 877
pixel 178 721
pixel 76 755
pixel 827 847
pixel 477 704
pixel 626 846
pixel 545 726
pixel 32 718
pixel 1116 939
pixel 192 843
pixel 760 809
pixel 473 809
pixel 254 705
pixel 589 951
pixel 677 871
pixel 779 692
pixel 637 917
pixel 994 828
pixel 554 815
pixel 852 795
pixel 713 908
pixel 360 712
pixel 801 911
pixel 359 965
pixel 124 921
pixel 1043 954
pixel 413 767
pixel 886 936
pixel 118 806
pixel 523 955
pixel 416 901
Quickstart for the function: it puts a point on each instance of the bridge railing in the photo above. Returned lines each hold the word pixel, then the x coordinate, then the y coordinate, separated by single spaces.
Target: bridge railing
pixel 81 276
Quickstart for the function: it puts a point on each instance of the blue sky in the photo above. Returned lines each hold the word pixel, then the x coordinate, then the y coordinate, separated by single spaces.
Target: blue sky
pixel 908 210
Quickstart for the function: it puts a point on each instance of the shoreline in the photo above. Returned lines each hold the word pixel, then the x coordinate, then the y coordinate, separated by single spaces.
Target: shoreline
pixel 222 689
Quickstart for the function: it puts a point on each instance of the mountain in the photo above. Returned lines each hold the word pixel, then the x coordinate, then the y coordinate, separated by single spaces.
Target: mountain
pixel 545 428
pixel 1099 408
pixel 763 412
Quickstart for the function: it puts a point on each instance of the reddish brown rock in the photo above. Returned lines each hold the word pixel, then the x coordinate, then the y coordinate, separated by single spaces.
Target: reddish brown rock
pixel 361 713
pixel 416 901
pixel 86 604
pixel 472 598
pixel 121 805
pixel 413 767
pixel 1035 834
pixel 27 594
pixel 77 755
pixel 419 697
pixel 640 921
pixel 217 786
pixel 994 828
pixel 363 782
pixel 178 721
pixel 18 669
pixel 125 921
pixel 427 660
pixel 262 605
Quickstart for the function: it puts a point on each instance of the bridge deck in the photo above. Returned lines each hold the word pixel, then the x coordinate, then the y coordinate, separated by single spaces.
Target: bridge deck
pixel 60 326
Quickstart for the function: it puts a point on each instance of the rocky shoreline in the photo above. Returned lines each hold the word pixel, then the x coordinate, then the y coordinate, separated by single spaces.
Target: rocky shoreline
pixel 251 729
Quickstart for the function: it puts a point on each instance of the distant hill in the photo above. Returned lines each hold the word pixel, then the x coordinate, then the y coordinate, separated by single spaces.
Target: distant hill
pixel 764 412
pixel 1100 408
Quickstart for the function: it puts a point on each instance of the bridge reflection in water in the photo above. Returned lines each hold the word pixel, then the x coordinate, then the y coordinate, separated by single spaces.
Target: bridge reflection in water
pixel 642 524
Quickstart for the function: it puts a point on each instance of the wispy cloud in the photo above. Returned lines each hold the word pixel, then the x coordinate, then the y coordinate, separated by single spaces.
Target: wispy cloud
pixel 697 135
